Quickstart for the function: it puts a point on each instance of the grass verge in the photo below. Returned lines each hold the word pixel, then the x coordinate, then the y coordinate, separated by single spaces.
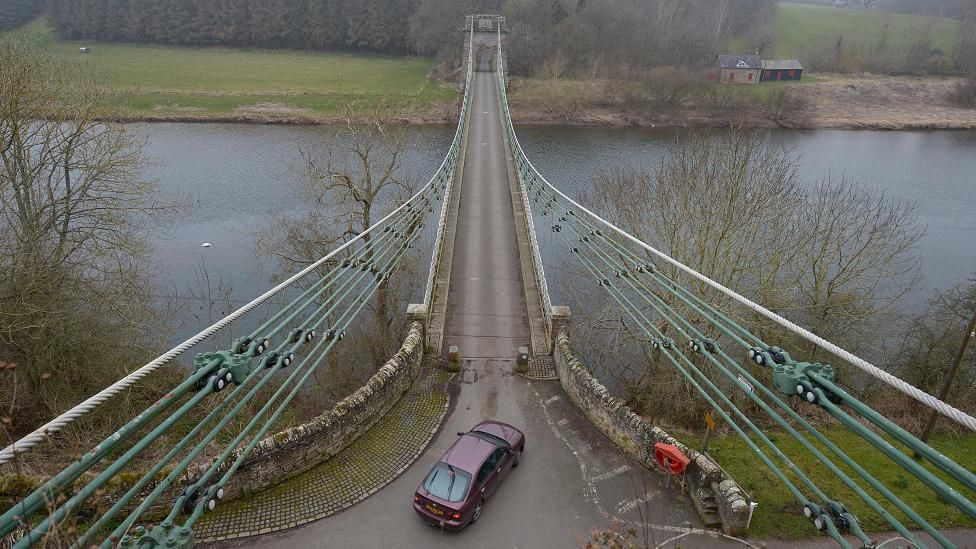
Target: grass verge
pixel 779 514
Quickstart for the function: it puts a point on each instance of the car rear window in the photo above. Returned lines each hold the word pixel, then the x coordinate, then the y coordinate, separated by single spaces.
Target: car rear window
pixel 448 483
pixel 494 439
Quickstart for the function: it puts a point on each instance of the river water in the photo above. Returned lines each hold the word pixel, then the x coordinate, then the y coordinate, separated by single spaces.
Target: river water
pixel 235 177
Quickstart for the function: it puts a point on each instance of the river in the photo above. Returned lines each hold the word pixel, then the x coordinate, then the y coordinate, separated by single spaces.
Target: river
pixel 235 177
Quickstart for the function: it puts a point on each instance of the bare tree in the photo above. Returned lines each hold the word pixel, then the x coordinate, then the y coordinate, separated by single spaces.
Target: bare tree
pixel 965 50
pixel 351 180
pixel 74 305
pixel 929 345
pixel 835 258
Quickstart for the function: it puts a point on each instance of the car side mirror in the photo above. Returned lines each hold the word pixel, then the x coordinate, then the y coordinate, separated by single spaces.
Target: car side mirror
pixel 460 434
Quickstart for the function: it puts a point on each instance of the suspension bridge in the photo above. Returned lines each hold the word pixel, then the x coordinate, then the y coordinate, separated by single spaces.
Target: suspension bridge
pixel 589 460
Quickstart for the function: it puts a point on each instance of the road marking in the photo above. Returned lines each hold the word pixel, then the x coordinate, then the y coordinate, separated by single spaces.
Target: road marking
pixel 629 505
pixel 610 474
pixel 590 493
pixel 562 421
pixel 552 399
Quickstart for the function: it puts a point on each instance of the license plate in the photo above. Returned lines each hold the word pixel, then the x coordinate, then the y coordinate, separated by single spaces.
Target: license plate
pixel 433 509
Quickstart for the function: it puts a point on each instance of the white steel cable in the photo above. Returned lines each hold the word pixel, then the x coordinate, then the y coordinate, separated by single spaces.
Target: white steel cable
pixel 455 149
pixel 58 423
pixel 907 388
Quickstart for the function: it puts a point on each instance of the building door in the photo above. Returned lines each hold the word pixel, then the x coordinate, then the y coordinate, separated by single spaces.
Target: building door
pixel 779 75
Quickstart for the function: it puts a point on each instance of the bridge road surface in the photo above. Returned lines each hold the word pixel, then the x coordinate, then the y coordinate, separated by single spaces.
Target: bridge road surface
pixel 571 479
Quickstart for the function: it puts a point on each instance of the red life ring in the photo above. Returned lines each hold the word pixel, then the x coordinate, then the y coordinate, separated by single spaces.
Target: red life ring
pixel 671 460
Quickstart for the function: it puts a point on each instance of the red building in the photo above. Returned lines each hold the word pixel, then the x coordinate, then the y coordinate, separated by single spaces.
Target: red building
pixel 777 69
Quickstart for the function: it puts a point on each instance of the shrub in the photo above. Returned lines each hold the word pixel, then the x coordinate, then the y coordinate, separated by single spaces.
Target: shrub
pixel 965 93
pixel 669 87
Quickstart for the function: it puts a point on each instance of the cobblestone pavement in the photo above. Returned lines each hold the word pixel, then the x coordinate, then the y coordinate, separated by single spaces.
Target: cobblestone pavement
pixel 541 368
pixel 368 464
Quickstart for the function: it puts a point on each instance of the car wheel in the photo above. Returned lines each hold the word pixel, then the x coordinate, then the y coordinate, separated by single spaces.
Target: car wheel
pixel 477 512
pixel 518 458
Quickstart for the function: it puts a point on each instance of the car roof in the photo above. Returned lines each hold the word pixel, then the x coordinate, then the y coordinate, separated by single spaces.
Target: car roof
pixel 468 453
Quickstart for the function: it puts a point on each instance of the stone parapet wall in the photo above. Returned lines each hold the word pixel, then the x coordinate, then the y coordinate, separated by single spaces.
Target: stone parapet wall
pixel 718 499
pixel 298 449
pixel 285 454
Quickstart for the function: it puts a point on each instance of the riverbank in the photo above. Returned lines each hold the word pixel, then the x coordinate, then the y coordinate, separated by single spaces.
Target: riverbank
pixel 827 102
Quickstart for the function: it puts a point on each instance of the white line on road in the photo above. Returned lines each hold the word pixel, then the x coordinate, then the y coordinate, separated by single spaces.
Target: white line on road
pixel 590 493
pixel 610 474
pixel 629 505
pixel 562 422
pixel 552 399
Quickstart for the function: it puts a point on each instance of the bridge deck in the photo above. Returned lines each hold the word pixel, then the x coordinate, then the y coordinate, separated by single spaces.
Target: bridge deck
pixel 486 314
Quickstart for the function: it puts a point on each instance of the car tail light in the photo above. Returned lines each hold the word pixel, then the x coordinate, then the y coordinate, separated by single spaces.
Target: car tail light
pixel 416 498
pixel 456 516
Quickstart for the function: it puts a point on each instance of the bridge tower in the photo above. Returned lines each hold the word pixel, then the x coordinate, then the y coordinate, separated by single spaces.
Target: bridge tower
pixel 486 32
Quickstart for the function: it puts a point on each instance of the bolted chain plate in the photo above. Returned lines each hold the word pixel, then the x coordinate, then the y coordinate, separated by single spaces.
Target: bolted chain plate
pixel 238 364
pixel 164 535
pixel 788 375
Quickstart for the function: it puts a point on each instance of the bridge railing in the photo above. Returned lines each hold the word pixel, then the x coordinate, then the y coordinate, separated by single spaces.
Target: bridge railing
pixel 526 175
pixel 446 176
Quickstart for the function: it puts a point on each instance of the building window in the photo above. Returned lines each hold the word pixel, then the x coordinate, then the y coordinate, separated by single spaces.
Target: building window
pixel 792 74
pixel 749 78
pixel 768 74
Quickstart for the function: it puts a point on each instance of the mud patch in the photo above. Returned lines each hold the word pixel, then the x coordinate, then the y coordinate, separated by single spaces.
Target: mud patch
pixel 177 108
pixel 270 108
pixel 490 405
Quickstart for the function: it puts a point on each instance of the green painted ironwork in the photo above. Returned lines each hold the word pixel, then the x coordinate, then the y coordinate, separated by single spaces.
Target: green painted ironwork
pixel 813 381
pixel 317 317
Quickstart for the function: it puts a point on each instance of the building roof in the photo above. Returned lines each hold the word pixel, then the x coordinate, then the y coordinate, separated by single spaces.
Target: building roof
pixel 740 61
pixel 782 64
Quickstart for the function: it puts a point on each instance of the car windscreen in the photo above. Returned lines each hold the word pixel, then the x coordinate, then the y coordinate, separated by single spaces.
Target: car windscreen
pixel 448 483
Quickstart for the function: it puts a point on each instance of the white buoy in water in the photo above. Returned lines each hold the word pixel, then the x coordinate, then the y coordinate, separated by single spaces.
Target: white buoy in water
pixel 205 245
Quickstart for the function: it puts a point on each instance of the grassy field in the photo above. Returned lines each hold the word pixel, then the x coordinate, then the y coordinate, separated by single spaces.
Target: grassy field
pixel 797 26
pixel 778 514
pixel 161 81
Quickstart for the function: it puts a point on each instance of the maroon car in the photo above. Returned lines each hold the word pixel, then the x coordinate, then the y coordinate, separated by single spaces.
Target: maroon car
pixel 455 490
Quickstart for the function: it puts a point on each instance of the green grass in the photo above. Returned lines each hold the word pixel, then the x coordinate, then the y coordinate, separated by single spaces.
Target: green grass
pixel 150 80
pixel 798 26
pixel 779 514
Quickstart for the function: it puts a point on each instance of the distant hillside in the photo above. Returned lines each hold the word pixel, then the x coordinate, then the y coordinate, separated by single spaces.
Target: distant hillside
pixel 946 8
pixel 877 40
